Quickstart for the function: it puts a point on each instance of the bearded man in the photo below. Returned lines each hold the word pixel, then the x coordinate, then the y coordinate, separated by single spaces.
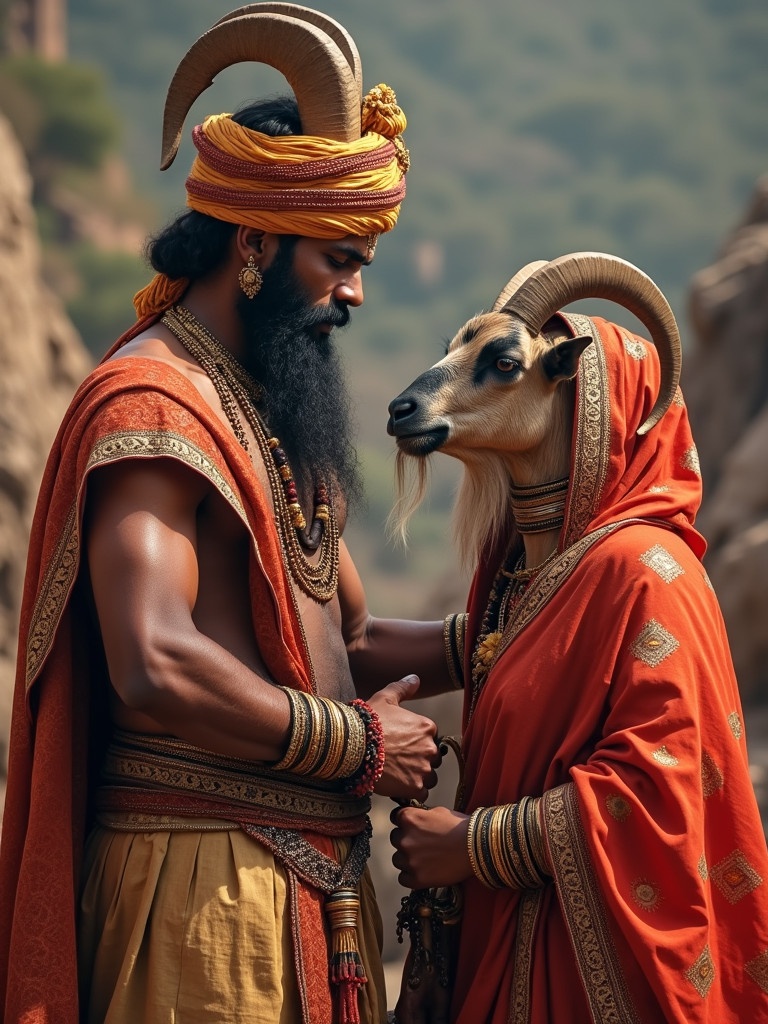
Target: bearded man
pixel 185 697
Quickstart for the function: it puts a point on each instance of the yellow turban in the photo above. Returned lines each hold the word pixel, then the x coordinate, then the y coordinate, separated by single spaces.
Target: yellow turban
pixel 295 184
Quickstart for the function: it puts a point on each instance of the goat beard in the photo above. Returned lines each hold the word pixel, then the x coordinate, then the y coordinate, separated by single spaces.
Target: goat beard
pixel 485 485
pixel 410 489
pixel 306 402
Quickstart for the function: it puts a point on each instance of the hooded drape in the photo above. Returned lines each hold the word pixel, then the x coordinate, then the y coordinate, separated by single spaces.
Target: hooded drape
pixel 613 697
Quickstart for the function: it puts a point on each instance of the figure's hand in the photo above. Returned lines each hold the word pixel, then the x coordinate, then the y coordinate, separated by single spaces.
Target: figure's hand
pixel 411 754
pixel 430 846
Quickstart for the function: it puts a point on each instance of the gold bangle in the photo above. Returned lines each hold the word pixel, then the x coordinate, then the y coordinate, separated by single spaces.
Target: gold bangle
pixel 334 748
pixel 454 628
pixel 327 738
pixel 316 748
pixel 471 831
pixel 354 747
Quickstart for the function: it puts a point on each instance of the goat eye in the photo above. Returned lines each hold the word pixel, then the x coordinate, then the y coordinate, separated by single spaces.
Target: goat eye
pixel 506 365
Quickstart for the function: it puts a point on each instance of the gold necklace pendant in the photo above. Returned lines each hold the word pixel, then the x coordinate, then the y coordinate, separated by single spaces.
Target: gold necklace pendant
pixel 239 392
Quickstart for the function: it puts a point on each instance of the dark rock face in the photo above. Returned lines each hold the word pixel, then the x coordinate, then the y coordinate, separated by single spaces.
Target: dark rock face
pixel 726 388
pixel 43 361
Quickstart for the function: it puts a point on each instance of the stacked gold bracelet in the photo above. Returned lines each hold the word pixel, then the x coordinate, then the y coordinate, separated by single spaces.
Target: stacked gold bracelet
pixel 454 629
pixel 506 845
pixel 328 739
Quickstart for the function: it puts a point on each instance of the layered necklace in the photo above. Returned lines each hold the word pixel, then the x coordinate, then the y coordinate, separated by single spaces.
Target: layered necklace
pixel 536 509
pixel 239 392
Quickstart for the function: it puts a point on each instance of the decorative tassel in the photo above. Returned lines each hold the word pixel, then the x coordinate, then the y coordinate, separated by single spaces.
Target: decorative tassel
pixel 347 972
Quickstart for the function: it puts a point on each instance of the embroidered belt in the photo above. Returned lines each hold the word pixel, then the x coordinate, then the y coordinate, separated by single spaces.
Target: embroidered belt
pixel 148 775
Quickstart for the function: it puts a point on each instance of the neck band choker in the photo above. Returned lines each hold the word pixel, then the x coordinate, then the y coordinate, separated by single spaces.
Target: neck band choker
pixel 539 507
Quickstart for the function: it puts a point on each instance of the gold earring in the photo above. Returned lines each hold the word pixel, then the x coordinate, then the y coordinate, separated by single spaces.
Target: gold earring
pixel 251 278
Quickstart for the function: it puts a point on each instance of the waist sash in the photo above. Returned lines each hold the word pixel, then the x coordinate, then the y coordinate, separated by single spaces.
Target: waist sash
pixel 160 776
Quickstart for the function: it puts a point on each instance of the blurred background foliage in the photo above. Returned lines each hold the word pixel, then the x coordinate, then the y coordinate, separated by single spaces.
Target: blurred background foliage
pixel 534 129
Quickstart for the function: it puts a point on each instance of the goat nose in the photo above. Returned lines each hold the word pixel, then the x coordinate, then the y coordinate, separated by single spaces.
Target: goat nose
pixel 399 409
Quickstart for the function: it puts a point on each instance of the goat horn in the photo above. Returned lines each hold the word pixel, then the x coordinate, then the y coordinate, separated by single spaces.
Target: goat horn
pixel 320 75
pixel 514 283
pixel 595 275
pixel 337 32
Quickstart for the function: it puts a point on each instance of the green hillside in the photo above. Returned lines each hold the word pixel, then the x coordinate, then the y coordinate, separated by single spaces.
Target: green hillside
pixel 535 129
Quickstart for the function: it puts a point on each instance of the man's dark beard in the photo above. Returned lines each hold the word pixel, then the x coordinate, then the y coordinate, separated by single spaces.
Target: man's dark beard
pixel 306 404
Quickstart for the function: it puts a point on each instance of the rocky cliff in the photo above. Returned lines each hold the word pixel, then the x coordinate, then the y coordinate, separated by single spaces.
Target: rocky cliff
pixel 42 361
pixel 726 386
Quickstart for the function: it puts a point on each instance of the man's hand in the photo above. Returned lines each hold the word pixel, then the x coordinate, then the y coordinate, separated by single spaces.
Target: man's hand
pixel 430 846
pixel 411 754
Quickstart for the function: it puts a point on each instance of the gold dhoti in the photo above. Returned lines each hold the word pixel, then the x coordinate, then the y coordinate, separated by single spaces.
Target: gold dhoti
pixel 192 920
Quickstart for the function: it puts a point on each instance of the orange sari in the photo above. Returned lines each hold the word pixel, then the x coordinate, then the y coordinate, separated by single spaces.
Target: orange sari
pixel 126 409
pixel 613 696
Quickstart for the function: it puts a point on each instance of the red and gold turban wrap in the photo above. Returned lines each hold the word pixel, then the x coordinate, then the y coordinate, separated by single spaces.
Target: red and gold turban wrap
pixel 295 184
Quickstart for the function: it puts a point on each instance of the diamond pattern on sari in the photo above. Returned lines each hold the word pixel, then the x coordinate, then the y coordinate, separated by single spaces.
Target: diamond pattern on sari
pixel 757 970
pixel 735 877
pixel 662 563
pixel 654 644
pixel 701 973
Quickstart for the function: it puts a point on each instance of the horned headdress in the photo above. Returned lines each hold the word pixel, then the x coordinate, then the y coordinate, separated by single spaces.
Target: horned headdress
pixel 542 288
pixel 344 175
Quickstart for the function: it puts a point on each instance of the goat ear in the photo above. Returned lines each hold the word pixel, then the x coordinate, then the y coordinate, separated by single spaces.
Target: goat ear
pixel 561 361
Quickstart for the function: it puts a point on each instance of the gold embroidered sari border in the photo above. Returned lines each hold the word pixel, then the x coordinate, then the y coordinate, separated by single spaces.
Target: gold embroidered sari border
pixel 527 916
pixel 55 589
pixel 583 910
pixel 592 454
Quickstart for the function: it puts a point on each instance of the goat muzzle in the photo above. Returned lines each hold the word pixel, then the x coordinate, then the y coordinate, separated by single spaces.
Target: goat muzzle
pixel 414 430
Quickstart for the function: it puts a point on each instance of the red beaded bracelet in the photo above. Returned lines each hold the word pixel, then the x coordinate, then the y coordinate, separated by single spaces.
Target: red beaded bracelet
pixel 364 780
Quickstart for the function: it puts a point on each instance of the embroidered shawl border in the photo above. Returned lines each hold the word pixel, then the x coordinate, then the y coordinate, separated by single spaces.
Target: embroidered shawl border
pixel 593 437
pixel 583 910
pixel 62 570
pixel 527 916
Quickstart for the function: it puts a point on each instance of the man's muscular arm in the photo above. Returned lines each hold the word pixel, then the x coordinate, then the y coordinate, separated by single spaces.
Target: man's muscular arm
pixel 142 556
pixel 384 649
pixel 141 539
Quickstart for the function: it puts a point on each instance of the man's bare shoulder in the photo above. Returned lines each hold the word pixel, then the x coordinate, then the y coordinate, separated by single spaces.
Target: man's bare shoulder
pixel 157 342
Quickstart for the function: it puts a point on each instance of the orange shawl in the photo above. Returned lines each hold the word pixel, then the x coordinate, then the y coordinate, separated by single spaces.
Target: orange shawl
pixel 613 697
pixel 127 408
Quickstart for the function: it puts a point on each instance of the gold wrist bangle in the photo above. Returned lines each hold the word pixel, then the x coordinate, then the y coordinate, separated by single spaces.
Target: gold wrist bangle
pixel 354 748
pixel 478 822
pixel 327 739
pixel 298 729
pixel 454 628
pixel 334 748
pixel 311 754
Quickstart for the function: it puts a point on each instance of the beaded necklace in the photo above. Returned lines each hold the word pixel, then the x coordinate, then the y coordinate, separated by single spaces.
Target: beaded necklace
pixel 509 585
pixel 238 391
